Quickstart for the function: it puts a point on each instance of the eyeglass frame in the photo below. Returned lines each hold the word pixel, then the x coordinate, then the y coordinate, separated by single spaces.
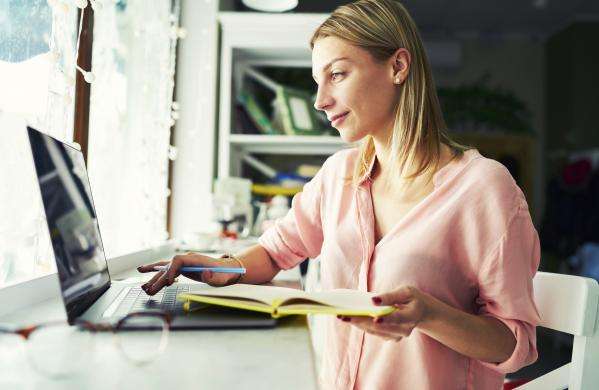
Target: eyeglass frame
pixel 25 332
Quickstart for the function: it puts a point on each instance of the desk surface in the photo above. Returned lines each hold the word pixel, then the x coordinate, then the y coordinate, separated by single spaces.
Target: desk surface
pixel 200 359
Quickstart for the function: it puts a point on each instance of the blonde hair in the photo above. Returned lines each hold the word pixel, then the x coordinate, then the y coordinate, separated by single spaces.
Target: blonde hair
pixel 381 27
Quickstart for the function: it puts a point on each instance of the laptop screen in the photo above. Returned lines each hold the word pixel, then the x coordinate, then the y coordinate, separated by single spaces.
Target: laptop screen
pixel 72 222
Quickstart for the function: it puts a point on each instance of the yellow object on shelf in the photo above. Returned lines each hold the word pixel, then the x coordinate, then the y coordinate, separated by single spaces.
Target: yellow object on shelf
pixel 272 190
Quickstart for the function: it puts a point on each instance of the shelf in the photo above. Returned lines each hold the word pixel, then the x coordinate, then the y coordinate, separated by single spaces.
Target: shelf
pixel 263 40
pixel 287 144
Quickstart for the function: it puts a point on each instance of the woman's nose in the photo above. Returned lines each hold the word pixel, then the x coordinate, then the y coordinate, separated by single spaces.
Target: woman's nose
pixel 323 99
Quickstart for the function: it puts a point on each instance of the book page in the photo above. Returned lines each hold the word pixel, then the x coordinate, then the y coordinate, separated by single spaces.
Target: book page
pixel 343 298
pixel 266 294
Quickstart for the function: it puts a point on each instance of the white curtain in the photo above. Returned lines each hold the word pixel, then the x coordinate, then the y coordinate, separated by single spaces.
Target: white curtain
pixel 130 119
pixel 37 73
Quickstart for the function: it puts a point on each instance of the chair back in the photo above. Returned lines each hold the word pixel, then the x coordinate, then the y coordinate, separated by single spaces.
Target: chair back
pixel 569 304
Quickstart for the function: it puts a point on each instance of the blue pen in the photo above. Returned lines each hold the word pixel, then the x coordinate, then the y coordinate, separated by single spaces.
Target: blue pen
pixel 228 270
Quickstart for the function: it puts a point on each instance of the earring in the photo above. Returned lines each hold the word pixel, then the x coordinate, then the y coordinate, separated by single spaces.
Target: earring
pixel 397 81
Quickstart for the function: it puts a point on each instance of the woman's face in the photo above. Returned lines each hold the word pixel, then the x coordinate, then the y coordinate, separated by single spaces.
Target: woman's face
pixel 357 94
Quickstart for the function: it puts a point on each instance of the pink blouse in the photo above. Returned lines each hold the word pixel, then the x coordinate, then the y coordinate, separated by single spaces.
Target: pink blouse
pixel 470 243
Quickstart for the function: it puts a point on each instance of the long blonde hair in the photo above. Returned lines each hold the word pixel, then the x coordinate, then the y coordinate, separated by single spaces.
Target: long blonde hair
pixel 381 27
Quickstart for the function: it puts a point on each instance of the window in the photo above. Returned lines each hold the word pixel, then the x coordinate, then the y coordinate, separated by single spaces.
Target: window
pixel 37 73
pixel 131 114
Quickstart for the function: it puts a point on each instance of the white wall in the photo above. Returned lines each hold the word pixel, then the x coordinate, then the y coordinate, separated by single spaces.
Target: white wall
pixel 195 130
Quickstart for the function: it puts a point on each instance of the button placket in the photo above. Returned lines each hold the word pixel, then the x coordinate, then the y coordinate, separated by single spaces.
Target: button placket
pixel 365 222
pixel 367 226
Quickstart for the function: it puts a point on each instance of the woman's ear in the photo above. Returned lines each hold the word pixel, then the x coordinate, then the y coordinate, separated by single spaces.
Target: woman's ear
pixel 401 65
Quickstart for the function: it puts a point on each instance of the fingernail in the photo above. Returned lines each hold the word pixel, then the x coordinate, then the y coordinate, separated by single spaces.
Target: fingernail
pixel 138 268
pixel 378 320
pixel 376 300
pixel 346 319
pixel 339 316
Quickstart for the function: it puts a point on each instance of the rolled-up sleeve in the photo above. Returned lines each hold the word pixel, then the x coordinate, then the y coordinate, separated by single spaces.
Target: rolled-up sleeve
pixel 298 235
pixel 506 288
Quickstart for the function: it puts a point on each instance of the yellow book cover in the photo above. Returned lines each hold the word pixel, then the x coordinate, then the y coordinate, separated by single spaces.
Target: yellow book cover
pixel 282 301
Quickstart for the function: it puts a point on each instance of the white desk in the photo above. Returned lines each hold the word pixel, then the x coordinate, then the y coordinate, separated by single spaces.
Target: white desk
pixel 202 359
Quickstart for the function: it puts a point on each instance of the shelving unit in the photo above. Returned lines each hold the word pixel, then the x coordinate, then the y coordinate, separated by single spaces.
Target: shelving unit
pixel 266 40
pixel 286 144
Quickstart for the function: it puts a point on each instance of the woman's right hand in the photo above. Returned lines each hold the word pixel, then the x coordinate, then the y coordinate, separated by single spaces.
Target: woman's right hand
pixel 166 278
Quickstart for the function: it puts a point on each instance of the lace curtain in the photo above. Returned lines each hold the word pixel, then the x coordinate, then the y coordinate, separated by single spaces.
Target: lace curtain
pixel 131 113
pixel 37 78
pixel 130 120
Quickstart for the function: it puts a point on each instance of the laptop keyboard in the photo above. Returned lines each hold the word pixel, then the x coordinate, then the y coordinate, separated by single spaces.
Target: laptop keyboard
pixel 137 300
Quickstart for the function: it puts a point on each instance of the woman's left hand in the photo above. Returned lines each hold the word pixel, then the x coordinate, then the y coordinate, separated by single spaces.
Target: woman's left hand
pixel 412 308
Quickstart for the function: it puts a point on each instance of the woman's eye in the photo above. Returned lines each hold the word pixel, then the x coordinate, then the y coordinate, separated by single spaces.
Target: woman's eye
pixel 336 75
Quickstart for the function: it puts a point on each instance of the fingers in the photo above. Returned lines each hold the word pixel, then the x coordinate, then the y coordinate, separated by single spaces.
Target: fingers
pixel 167 277
pixel 220 278
pixel 217 278
pixel 401 295
pixel 150 283
pixel 392 326
pixel 173 270
pixel 402 314
pixel 381 325
pixel 160 282
pixel 150 267
pixel 385 335
pixel 371 326
pixel 153 279
pixel 207 276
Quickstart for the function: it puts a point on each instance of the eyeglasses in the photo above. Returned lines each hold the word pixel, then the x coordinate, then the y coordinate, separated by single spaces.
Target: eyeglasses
pixel 58 349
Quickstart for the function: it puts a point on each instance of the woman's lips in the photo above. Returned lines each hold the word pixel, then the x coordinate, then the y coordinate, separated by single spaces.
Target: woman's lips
pixel 338 119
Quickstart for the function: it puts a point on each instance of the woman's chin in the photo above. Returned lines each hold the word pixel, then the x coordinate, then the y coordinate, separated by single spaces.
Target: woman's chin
pixel 349 136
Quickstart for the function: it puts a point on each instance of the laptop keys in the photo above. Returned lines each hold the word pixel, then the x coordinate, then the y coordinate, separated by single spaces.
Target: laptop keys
pixel 166 299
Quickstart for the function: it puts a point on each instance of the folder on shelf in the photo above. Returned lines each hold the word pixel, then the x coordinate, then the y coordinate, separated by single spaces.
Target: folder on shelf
pixel 297 115
pixel 282 301
pixel 256 113
pixel 292 109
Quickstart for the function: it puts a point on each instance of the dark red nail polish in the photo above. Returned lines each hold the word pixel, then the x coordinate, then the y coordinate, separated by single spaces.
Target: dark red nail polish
pixel 378 320
pixel 346 319
pixel 376 300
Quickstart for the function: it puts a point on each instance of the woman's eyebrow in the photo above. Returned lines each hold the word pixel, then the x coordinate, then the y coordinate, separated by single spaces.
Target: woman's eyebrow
pixel 331 63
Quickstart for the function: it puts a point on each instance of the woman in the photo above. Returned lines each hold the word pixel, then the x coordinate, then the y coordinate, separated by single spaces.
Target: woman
pixel 435 229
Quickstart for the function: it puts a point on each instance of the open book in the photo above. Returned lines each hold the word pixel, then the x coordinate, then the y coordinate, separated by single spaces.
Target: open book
pixel 281 301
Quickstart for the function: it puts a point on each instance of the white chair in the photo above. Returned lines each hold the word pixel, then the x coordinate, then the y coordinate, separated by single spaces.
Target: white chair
pixel 569 304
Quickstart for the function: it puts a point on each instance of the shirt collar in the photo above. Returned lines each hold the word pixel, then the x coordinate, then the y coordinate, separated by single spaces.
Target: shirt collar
pixel 438 177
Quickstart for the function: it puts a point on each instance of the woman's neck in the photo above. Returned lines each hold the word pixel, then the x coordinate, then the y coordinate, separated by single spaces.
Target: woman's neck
pixel 385 173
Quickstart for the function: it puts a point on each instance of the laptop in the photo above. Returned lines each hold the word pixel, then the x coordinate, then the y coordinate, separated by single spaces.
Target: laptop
pixel 87 290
